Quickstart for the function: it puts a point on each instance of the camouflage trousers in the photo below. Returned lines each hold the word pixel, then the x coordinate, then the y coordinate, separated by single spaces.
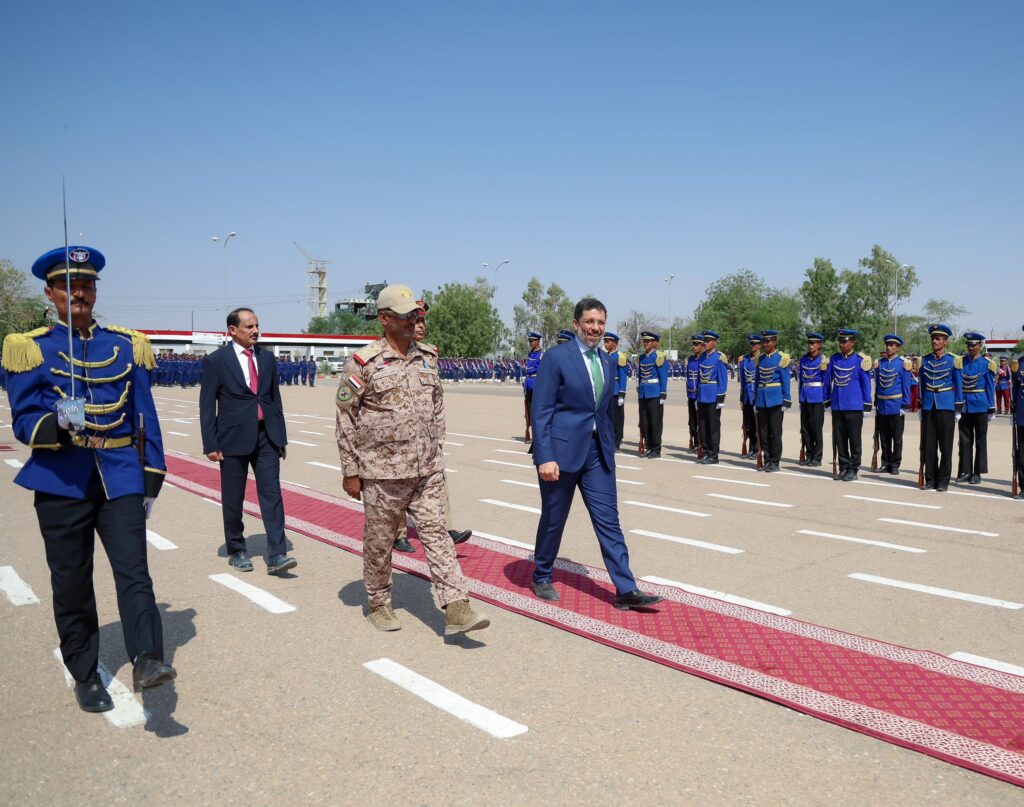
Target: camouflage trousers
pixel 403 531
pixel 386 502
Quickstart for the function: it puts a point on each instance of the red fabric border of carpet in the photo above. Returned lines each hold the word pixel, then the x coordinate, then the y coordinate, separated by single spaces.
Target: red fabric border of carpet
pixel 969 716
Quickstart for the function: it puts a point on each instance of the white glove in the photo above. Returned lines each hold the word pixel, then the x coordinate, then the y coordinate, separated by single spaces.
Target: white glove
pixel 621 401
pixel 958 416
pixel 147 505
pixel 991 417
pixel 903 412
pixel 719 406
pixel 661 401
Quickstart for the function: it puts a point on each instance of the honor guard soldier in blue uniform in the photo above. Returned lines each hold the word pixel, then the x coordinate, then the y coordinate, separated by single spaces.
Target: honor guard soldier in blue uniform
pixel 942 399
pixel 979 380
pixel 530 376
pixel 651 391
pixel 849 396
pixel 892 402
pixel 747 369
pixel 812 372
pixel 692 376
pixel 564 335
pixel 1017 411
pixel 772 396
pixel 97 465
pixel 611 347
pixel 712 384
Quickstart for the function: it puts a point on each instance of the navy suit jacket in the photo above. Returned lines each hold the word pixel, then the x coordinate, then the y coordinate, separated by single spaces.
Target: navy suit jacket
pixel 227 407
pixel 563 410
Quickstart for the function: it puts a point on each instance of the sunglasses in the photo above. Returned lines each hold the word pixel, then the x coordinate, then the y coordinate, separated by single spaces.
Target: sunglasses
pixel 403 317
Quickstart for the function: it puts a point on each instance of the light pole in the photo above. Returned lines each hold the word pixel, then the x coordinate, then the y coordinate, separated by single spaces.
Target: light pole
pixel 497 336
pixel 224 244
pixel 669 280
pixel 896 294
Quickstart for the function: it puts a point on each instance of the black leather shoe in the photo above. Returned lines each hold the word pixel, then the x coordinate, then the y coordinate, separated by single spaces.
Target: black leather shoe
pixel 403 545
pixel 963 478
pixel 635 599
pixel 941 488
pixel 711 460
pixel 150 672
pixel 460 537
pixel 240 561
pixel 92 696
pixel 280 563
pixel 546 591
pixel 894 470
pixel 851 476
pixel 814 463
pixel 974 480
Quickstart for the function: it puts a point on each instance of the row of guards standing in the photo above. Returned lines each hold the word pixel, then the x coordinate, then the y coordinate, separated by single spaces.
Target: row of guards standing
pixel 956 394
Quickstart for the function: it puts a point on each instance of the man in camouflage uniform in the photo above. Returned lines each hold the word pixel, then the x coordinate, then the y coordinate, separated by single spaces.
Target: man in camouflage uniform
pixel 390 430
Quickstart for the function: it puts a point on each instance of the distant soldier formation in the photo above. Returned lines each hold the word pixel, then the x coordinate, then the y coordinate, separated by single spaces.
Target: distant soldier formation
pixel 186 370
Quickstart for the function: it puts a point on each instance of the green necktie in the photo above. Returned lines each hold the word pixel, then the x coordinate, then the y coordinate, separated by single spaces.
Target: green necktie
pixel 596 374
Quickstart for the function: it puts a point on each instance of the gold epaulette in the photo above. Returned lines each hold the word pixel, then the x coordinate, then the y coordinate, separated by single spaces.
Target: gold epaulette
pixel 783 360
pixel 824 363
pixel 623 360
pixel 958 362
pixel 367 352
pixel 1014 366
pixel 725 359
pixel 142 350
pixel 21 352
pixel 908 364
pixel 993 366
pixel 659 358
pixel 874 364
pixel 865 361
pixel 426 347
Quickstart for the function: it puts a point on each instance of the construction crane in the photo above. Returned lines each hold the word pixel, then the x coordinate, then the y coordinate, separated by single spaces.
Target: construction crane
pixel 316 284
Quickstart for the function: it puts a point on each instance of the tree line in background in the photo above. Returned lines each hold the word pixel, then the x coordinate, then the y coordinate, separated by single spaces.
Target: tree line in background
pixel 21 309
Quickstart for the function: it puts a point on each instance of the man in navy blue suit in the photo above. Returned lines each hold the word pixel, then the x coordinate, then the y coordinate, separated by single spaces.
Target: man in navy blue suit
pixel 574 446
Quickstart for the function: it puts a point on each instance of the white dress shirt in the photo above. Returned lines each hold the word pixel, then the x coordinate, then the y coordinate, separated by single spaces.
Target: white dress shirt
pixel 244 361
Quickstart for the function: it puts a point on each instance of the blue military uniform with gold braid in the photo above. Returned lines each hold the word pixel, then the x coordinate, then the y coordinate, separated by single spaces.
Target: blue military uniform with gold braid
pixel 979 383
pixel 652 375
pixel 112 368
pixel 941 381
pixel 849 383
pixel 892 385
pixel 772 380
pixel 712 377
pixel 813 375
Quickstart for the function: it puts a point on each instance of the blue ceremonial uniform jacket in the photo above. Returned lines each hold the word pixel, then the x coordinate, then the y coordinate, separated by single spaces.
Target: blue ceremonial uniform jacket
pixel 748 379
pixel 941 383
pixel 712 377
pixel 772 380
pixel 849 382
pixel 111 371
pixel 652 375
pixel 892 385
pixel 813 378
pixel 621 377
pixel 979 380
pixel 532 365
pixel 692 377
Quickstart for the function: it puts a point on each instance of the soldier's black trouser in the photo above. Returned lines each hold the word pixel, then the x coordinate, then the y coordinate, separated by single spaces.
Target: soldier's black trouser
pixel 973 443
pixel 618 421
pixel 710 421
pixel 68 527
pixel 890 440
pixel 651 422
pixel 751 428
pixel 937 434
pixel 846 433
pixel 812 427
pixel 770 421
pixel 692 421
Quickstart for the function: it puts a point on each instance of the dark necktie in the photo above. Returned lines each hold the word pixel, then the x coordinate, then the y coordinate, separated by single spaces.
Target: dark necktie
pixel 254 382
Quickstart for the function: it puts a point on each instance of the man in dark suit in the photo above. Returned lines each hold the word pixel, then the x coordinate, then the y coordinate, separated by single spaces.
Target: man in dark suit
pixel 574 446
pixel 242 422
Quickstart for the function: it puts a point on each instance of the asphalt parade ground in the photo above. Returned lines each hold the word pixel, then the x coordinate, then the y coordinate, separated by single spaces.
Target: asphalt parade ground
pixel 286 694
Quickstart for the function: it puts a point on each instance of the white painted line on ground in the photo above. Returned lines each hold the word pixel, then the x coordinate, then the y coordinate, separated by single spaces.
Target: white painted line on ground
pixel 892 501
pixel 980 495
pixel 482 437
pixel 451 470
pixel 214 502
pixel 296 422
pixel 803 475
pixel 159 541
pixel 16 590
pixel 297 484
pixel 318 434
pixel 939 527
pixel 510 451
pixel 533 485
pixel 627 467
pixel 668 509
pixel 500 540
pixel 180 434
pixel 436 695
pixel 938 592
pixel 325 465
pixel 264 599
pixel 168 485
pixel 728 550
pixel 186 421
pixel 127 710
pixel 450 443
pixel 670 459
pixel 868 541
pixel 748 501
pixel 522 507
pixel 891 485
pixel 628 482
pixel 513 464
pixel 293 441
pixel 718 595
pixel 991 663
pixel 6 426
pixel 733 481
pixel 15 463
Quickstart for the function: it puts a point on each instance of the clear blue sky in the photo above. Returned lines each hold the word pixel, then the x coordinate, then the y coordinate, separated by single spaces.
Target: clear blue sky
pixel 600 145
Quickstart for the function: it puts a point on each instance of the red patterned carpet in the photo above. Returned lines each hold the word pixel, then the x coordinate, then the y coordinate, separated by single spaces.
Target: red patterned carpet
pixel 963 714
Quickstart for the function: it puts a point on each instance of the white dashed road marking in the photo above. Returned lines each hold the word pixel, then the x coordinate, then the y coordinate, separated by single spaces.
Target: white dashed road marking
pixel 264 599
pixel 179 434
pixel 991 663
pixel 892 501
pixel 325 465
pixel 301 443
pixel 482 437
pixel 127 710
pixel 159 541
pixel 512 506
pixel 436 695
pixel 868 541
pixel 938 592
pixel 500 540
pixel 728 550
pixel 939 527
pixel 513 464
pixel 533 485
pixel 668 509
pixel 318 434
pixel 718 595
pixel 733 481
pixel 16 590
pixel 748 501
pixel 14 463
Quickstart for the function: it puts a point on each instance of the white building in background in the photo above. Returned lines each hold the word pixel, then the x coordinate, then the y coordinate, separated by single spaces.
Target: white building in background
pixel 330 348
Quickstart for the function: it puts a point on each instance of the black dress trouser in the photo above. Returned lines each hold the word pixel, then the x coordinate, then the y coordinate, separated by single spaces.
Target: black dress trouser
pixel 618 422
pixel 266 467
pixel 890 439
pixel 751 428
pixel 710 428
pixel 68 527
pixel 846 433
pixel 973 443
pixel 770 421
pixel 937 435
pixel 651 422
pixel 812 427
pixel 692 421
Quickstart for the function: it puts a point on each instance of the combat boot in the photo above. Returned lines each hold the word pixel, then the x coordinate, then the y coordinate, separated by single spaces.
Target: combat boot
pixel 460 617
pixel 383 617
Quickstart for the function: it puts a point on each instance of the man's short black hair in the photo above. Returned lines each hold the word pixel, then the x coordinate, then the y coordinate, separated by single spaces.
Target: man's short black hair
pixel 234 317
pixel 588 304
